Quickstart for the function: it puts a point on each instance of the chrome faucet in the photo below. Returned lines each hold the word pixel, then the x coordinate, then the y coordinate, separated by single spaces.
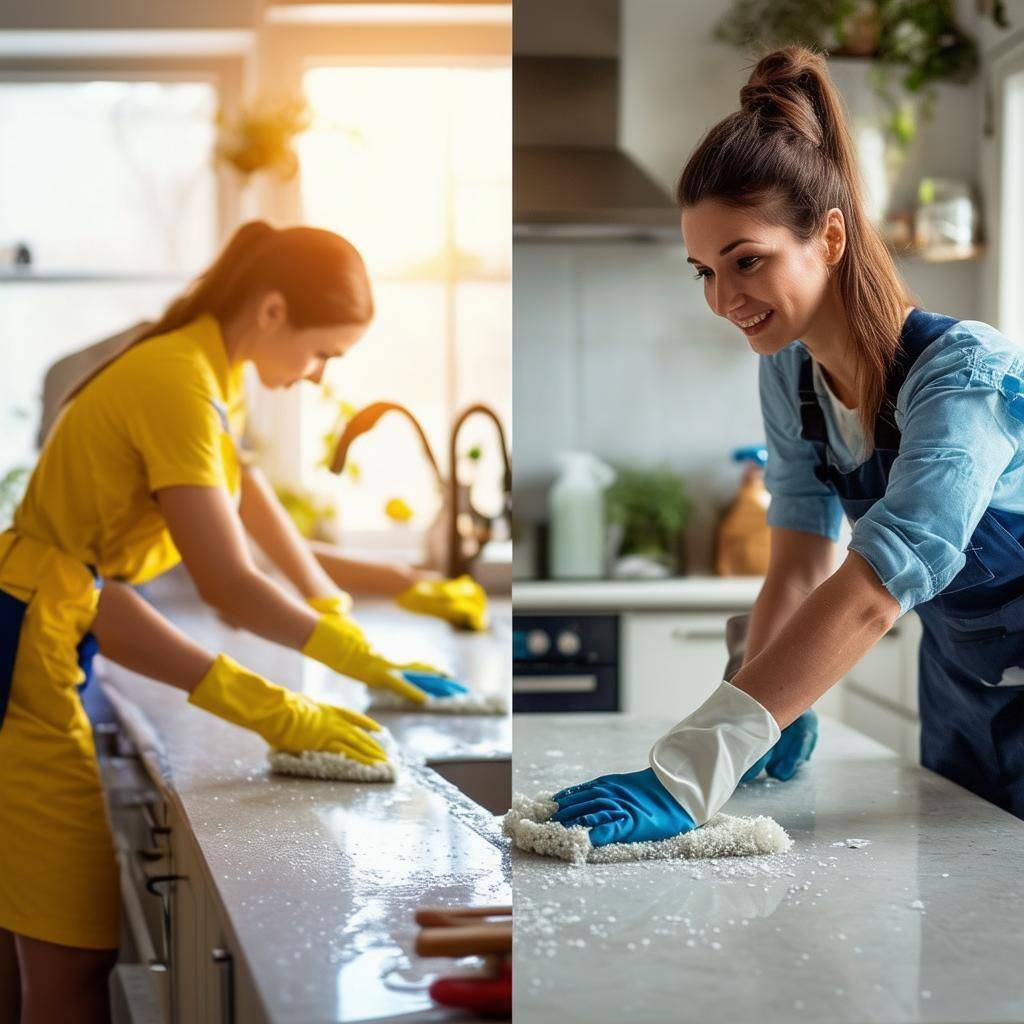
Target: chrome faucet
pixel 459 533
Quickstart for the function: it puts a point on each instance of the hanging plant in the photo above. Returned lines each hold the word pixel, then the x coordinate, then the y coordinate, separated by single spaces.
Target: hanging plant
pixel 261 138
pixel 915 44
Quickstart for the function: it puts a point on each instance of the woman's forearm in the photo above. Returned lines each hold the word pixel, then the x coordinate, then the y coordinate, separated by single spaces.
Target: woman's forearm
pixel 776 602
pixel 134 634
pixel 269 525
pixel 359 577
pixel 821 641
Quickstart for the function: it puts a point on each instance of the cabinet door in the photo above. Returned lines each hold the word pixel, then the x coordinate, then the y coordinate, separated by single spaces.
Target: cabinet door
pixel 671 662
pixel 188 964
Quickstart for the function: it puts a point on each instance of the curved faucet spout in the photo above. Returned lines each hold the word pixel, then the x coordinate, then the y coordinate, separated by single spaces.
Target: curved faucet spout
pixel 366 419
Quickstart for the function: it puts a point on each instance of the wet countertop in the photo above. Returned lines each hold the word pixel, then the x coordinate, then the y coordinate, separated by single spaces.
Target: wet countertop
pixel 901 900
pixel 319 881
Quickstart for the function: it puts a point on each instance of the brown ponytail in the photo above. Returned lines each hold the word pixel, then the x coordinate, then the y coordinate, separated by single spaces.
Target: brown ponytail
pixel 788 147
pixel 321 275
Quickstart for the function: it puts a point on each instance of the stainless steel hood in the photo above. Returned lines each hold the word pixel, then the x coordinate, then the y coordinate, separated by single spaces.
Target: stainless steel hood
pixel 570 177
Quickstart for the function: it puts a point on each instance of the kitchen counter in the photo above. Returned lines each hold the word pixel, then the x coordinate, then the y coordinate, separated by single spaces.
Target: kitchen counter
pixel 924 924
pixel 319 881
pixel 678 592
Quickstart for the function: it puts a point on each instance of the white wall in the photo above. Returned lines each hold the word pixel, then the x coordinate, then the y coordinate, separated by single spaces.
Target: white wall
pixel 615 348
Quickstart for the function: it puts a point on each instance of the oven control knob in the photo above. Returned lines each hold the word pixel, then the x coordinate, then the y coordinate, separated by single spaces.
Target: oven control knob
pixel 538 642
pixel 568 643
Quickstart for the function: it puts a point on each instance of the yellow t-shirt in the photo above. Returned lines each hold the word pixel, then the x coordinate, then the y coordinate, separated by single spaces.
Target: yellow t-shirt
pixel 161 415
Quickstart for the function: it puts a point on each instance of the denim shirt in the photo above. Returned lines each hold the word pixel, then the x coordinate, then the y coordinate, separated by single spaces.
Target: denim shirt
pixel 961 415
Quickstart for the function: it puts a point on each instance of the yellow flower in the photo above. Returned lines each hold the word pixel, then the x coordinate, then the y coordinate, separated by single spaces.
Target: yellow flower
pixel 398 511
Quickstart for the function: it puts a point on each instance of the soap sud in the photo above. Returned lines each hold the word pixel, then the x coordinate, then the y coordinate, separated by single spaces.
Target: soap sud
pixel 917 905
pixel 853 844
pixel 457 704
pixel 529 826
pixel 319 764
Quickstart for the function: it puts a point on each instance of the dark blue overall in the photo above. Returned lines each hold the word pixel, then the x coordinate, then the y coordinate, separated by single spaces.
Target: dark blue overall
pixel 972 728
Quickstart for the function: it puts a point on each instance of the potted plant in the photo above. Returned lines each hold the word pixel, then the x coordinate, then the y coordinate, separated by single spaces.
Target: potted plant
pixel 650 509
pixel 915 44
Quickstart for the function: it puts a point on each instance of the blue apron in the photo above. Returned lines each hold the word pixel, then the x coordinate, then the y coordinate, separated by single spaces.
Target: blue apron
pixel 972 718
pixel 12 614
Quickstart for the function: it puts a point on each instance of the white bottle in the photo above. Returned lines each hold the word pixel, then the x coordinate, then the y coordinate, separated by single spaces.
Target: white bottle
pixel 577 539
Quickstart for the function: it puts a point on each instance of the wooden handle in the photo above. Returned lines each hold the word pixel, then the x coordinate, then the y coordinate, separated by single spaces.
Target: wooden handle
pixel 469 940
pixel 440 917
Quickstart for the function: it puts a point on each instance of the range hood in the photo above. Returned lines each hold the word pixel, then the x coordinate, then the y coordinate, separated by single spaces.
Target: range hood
pixel 570 177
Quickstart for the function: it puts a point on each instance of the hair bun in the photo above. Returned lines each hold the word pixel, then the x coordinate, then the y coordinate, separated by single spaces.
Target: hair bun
pixel 784 91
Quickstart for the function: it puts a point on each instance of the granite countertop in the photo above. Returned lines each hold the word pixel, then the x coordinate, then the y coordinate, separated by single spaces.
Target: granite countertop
pixel 675 593
pixel 319 881
pixel 924 922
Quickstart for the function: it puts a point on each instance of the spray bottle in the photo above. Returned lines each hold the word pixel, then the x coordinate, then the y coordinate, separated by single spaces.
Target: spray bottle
pixel 578 527
pixel 743 538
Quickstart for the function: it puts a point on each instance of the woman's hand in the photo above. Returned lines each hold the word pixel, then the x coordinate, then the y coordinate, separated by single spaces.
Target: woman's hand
pixel 461 601
pixel 795 745
pixel 285 719
pixel 339 643
pixel 628 808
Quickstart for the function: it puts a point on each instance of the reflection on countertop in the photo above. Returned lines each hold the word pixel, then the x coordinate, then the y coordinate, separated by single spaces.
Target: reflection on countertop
pixel 320 880
pixel 922 923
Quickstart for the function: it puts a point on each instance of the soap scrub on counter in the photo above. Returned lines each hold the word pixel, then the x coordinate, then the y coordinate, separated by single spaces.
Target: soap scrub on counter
pixel 529 826
pixel 320 764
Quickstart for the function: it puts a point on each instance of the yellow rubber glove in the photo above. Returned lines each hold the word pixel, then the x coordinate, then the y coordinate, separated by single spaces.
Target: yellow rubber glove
pixel 337 604
pixel 285 719
pixel 461 601
pixel 339 643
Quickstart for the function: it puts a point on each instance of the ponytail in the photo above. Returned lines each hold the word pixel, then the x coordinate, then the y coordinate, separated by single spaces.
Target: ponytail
pixel 788 147
pixel 321 276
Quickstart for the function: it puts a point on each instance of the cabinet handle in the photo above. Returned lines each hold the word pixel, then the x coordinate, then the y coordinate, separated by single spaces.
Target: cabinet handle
pixel 226 967
pixel 698 634
pixel 155 828
pixel 155 880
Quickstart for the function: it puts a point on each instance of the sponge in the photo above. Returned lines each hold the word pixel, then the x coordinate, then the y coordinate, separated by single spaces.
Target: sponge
pixel 457 704
pixel 319 764
pixel 529 826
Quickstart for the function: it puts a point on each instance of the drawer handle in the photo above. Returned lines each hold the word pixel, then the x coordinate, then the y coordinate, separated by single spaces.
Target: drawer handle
pixel 698 634
pixel 226 965
pixel 155 880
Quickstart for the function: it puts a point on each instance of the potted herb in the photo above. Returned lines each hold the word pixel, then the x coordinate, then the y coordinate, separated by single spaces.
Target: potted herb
pixel 650 508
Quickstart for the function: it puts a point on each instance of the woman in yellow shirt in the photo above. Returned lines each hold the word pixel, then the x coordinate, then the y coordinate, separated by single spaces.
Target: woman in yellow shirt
pixel 141 471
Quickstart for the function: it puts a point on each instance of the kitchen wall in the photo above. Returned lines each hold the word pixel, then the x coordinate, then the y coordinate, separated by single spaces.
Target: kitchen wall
pixel 615 348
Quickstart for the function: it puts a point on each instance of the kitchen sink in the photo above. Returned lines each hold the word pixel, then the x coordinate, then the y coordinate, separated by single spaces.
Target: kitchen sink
pixel 487 781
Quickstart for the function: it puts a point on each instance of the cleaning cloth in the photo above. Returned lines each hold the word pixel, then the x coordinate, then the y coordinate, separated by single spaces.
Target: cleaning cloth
pixel 320 764
pixel 457 704
pixel 527 824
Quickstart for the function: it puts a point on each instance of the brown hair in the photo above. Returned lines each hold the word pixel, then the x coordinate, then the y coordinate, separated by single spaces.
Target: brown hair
pixel 321 275
pixel 788 148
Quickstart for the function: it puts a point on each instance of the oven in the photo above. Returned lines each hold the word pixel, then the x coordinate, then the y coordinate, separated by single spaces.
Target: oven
pixel 565 662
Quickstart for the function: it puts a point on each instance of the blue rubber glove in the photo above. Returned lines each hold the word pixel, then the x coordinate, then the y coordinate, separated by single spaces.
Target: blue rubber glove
pixel 434 684
pixel 793 749
pixel 630 808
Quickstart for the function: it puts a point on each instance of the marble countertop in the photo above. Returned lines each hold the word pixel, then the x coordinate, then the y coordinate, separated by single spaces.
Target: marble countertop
pixel 676 593
pixel 924 922
pixel 319 881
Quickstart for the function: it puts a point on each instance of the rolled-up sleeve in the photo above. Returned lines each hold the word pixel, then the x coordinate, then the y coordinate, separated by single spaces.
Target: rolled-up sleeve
pixel 957 440
pixel 799 500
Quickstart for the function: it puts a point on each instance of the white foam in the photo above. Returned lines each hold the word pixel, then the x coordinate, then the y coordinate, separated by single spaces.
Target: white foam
pixel 529 826
pixel 318 764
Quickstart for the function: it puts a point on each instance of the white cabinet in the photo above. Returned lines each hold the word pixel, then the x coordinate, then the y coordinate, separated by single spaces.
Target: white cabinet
pixel 671 662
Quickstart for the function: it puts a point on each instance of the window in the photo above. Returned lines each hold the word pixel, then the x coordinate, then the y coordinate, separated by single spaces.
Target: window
pixel 413 165
pixel 109 185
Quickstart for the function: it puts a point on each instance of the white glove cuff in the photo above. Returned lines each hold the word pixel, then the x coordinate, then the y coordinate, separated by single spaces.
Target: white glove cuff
pixel 701 760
